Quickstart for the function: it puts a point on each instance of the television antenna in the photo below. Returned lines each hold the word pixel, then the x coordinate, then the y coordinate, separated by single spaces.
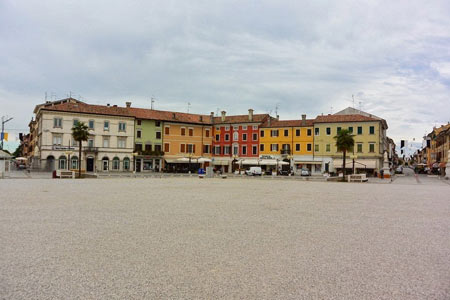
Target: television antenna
pixel 152 101
pixel 189 105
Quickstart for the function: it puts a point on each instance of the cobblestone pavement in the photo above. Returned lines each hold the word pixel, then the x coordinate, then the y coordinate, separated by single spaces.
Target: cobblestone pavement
pixel 185 238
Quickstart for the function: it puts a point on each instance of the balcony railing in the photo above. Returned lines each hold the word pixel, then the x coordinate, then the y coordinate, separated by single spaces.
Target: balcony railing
pixel 285 151
pixel 148 152
pixel 90 149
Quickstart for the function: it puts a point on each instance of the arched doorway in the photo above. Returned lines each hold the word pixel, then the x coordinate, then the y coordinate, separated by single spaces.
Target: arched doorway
pixel 50 163
pixel 62 162
pixel 90 164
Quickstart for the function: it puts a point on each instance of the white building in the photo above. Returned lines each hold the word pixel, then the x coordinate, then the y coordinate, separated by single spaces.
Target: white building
pixel 111 136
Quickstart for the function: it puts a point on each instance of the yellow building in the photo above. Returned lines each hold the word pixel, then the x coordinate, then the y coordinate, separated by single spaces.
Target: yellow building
pixel 370 141
pixel 288 140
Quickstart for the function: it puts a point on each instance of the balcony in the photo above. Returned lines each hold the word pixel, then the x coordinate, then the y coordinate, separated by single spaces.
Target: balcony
pixel 285 151
pixel 90 149
pixel 149 152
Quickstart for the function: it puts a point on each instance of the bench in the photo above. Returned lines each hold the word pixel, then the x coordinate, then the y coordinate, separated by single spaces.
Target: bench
pixel 357 178
pixel 65 174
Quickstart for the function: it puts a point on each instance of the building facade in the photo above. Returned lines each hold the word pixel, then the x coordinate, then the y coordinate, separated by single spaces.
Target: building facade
pixel 110 144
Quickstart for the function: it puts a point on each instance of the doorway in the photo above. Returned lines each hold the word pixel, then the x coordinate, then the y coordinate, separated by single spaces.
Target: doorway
pixel 90 164
pixel 138 165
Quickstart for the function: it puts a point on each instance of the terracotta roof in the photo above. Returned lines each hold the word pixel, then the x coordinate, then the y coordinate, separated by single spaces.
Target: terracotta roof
pixel 89 109
pixel 287 123
pixel 257 118
pixel 343 118
pixel 169 116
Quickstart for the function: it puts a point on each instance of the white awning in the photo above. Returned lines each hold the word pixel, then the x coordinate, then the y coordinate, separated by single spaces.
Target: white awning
pixel 283 163
pixel 268 162
pixel 311 162
pixel 221 161
pixel 250 162
pixel 203 160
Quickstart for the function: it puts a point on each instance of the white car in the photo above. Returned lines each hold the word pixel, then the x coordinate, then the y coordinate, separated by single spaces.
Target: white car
pixel 254 171
pixel 305 172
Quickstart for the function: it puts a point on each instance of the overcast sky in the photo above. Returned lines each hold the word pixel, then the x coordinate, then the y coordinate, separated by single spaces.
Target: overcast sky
pixel 300 56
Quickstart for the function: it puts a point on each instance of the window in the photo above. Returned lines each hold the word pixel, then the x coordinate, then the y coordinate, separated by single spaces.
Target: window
pixel 115 164
pixel 297 132
pixel 75 122
pixel 261 133
pixel 217 150
pixel 121 143
pixel 255 127
pixel 359 147
pixel 217 137
pixel 191 132
pixel 261 147
pixel 309 132
pixel 274 132
pixel 138 147
pixel 235 136
pixel 158 135
pixel 126 164
pixel 359 129
pixel 183 131
pixel 226 150
pixel 57 123
pixel 328 131
pixel 227 128
pixel 350 129
pixel 235 127
pixel 138 134
pixel 167 130
pixel 106 125
pixel 338 130
pixel 166 147
pixel 316 131
pixel 235 149
pixel 227 137
pixel 328 148
pixel 274 147
pixel 207 133
pixel 139 122
pixel 255 136
pixel 74 162
pixel 105 163
pixel 316 148
pixel 372 130
pixel 158 123
pixel 106 142
pixel 90 142
pixel 297 147
pixel 244 136
pixel 372 147
pixel 57 140
pixel 207 149
pixel 183 148
pixel 158 148
pixel 148 147
pixel 286 132
pixel 308 147
pixel 191 148
pixel 122 126
pixel 91 124
pixel 244 150
pixel 254 150
pixel 217 128
pixel 244 127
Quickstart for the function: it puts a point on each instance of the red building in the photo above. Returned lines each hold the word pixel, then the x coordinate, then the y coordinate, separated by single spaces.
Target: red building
pixel 235 138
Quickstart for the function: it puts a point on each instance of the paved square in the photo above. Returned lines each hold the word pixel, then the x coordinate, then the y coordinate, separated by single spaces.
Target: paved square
pixel 185 238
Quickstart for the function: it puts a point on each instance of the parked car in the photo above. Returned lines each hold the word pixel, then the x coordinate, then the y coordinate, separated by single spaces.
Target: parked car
pixel 305 172
pixel 254 171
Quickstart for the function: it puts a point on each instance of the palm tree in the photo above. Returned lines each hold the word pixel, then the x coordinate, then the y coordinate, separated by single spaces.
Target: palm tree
pixel 80 133
pixel 344 142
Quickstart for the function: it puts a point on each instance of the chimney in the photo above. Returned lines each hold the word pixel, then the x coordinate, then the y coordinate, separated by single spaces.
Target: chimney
pixel 128 104
pixel 250 115
pixel 174 116
pixel 201 118
pixel 115 105
pixel 223 115
pixel 303 120
pixel 211 117
pixel 107 104
pixel 268 120
pixel 278 117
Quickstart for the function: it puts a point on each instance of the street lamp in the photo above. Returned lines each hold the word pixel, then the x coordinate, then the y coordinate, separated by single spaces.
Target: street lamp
pixel 232 163
pixel 135 154
pixel 354 156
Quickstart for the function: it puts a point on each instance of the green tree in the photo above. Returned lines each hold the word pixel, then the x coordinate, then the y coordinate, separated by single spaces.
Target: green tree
pixel 344 142
pixel 80 133
pixel 17 152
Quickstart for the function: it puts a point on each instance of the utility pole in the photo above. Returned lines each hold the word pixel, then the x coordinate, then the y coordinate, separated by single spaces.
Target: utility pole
pixel 4 120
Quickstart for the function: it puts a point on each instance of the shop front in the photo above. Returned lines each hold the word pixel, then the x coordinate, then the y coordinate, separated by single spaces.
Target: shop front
pixel 148 163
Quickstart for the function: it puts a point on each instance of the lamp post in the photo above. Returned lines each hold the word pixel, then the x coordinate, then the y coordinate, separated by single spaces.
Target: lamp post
pixel 135 154
pixel 354 156
pixel 190 154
